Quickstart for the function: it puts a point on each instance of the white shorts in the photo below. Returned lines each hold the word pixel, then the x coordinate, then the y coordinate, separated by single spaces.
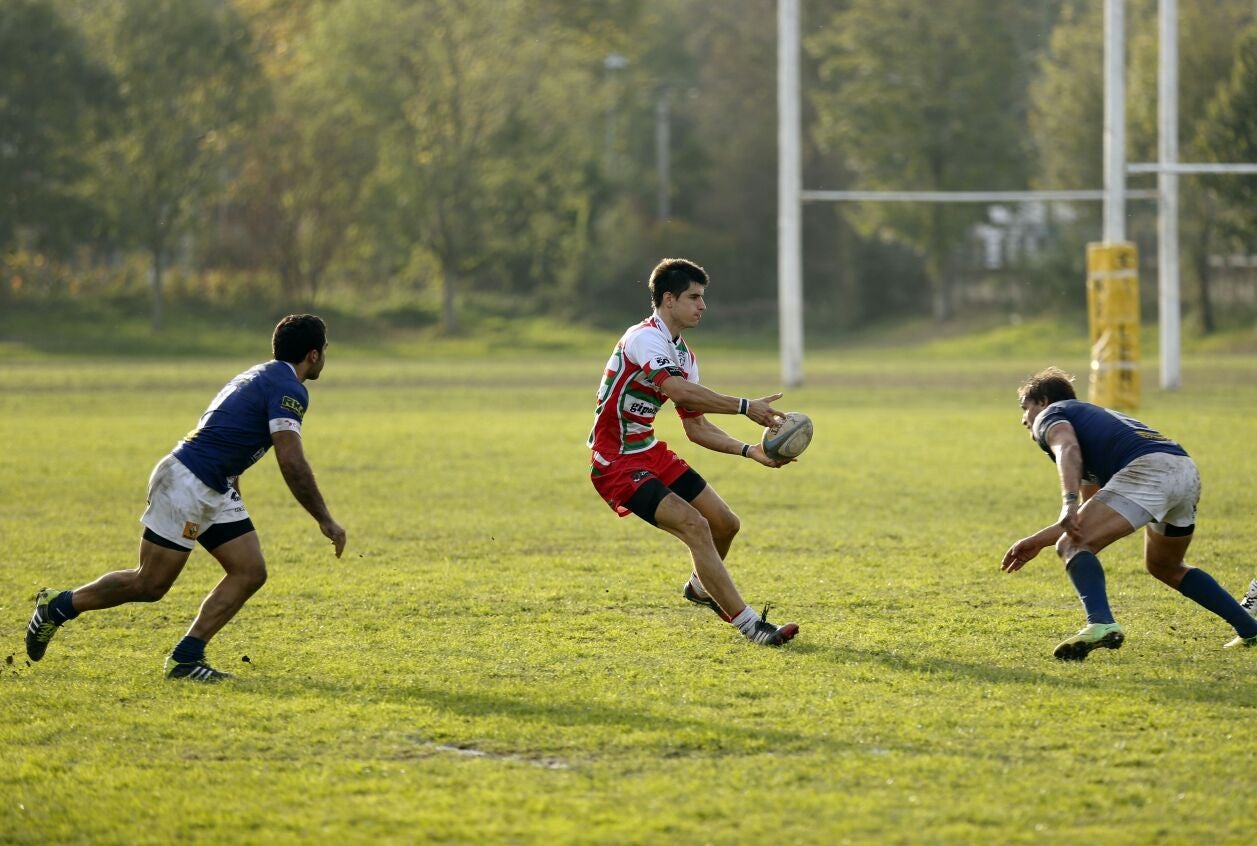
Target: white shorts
pixel 1157 488
pixel 181 506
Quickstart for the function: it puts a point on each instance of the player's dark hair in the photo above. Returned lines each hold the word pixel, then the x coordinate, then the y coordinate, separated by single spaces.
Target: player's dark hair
pixel 674 276
pixel 296 335
pixel 1051 385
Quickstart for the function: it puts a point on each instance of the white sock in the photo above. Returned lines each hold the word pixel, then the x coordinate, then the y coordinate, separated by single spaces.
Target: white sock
pixel 697 587
pixel 745 621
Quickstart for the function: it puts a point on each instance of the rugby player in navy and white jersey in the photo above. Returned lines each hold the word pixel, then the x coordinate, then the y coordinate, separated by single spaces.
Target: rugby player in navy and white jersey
pixel 1117 475
pixel 194 497
pixel 636 474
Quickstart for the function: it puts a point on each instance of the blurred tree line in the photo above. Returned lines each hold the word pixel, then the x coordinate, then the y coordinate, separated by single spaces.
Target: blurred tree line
pixel 426 156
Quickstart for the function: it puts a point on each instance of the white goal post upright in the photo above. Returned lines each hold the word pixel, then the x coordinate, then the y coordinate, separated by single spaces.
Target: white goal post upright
pixel 789 204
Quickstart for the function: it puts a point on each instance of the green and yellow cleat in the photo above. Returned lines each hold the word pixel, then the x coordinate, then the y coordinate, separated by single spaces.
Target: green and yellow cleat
pixel 1092 636
pixel 41 628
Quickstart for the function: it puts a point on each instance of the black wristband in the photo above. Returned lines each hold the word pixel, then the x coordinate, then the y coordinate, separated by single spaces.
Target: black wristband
pixel 743 405
pixel 746 448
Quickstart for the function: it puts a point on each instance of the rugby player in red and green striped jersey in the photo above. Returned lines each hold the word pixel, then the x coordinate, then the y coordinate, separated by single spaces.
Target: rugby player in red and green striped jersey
pixel 636 473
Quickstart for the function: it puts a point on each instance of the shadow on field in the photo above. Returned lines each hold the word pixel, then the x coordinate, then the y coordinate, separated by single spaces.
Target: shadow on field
pixel 1078 678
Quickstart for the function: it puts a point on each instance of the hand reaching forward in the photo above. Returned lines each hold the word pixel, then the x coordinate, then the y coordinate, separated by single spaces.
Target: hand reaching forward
pixel 762 412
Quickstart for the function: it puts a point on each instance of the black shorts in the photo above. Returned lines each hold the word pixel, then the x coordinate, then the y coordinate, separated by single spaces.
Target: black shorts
pixel 212 538
pixel 645 501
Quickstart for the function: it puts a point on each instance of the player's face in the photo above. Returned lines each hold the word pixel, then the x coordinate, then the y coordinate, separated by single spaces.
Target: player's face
pixel 1030 411
pixel 688 308
pixel 317 367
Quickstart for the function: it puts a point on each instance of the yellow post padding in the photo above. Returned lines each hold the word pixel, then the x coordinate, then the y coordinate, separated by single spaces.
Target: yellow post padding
pixel 1113 315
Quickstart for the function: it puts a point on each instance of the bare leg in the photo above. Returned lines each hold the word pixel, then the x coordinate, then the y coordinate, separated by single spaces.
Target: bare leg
pixel 149 582
pixel 242 560
pixel 684 521
pixel 724 524
pixel 1163 556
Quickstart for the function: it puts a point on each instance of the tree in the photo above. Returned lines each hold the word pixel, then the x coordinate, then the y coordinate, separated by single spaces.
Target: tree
pixel 1228 136
pixel 480 165
pixel 303 163
pixel 187 84
pixel 915 99
pixel 1067 114
pixel 41 149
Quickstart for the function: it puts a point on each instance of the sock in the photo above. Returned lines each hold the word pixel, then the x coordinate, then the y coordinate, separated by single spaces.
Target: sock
pixel 189 651
pixel 745 621
pixel 62 607
pixel 697 586
pixel 1200 587
pixel 1088 577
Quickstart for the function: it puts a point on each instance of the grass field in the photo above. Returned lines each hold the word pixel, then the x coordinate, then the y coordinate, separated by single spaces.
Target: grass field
pixel 499 659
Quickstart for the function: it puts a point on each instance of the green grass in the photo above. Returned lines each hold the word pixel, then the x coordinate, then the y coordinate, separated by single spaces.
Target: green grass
pixel 498 658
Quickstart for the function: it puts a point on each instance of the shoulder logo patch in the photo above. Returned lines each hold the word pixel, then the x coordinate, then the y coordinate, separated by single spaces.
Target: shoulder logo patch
pixel 293 406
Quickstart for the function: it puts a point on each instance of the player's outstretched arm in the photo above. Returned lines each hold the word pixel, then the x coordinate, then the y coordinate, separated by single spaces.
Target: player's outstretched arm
pixel 1024 550
pixel 300 478
pixel 703 432
pixel 694 397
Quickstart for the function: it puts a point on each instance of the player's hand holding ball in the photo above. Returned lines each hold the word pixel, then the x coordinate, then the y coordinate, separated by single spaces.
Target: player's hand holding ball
pixel 785 439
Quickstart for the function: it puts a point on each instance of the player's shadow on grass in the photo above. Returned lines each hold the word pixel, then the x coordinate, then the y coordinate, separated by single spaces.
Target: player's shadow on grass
pixel 1190 690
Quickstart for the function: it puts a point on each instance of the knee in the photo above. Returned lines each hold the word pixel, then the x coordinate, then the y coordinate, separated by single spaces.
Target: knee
pixel 726 526
pixel 1171 574
pixel 694 527
pixel 1064 548
pixel 255 578
pixel 152 590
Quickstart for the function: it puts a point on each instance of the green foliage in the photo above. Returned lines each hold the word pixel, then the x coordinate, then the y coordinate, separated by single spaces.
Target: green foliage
pixel 499 659
pixel 1230 137
pixel 187 83
pixel 918 100
pixel 41 136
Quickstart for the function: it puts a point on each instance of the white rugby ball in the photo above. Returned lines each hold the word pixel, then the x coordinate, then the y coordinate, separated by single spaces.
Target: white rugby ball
pixel 789 437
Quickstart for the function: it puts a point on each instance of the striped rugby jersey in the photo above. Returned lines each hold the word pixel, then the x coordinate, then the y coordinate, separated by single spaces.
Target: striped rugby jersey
pixel 629 396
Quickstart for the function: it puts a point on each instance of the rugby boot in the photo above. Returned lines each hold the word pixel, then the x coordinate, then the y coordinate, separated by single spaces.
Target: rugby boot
pixel 1091 636
pixel 41 628
pixel 692 595
pixel 199 671
pixel 766 634
pixel 1249 602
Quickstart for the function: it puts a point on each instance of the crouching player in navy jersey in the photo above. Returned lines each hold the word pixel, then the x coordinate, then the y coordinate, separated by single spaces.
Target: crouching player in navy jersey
pixel 1117 475
pixel 194 497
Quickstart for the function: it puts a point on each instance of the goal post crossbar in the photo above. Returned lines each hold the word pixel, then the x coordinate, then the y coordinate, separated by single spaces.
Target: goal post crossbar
pixel 966 196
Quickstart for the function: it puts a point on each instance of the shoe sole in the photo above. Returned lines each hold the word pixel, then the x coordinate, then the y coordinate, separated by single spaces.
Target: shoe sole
pixel 1079 650
pixel 788 631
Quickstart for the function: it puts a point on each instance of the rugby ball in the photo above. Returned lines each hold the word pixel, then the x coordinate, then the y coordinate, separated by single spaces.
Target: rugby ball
pixel 788 439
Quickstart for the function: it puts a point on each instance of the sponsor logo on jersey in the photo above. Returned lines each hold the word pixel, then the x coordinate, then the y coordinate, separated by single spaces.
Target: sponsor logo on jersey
pixel 293 406
pixel 661 361
pixel 191 530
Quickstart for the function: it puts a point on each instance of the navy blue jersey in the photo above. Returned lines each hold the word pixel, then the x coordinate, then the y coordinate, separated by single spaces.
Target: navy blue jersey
pixel 1109 440
pixel 235 431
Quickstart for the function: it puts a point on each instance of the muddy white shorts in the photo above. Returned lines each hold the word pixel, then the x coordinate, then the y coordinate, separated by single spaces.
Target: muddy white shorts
pixel 181 507
pixel 1157 488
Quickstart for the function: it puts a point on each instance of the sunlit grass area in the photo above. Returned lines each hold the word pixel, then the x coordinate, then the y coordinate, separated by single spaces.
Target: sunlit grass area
pixel 498 658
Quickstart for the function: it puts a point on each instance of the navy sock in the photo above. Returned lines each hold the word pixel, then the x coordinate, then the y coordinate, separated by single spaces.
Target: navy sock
pixel 1200 587
pixel 189 651
pixel 1088 577
pixel 62 607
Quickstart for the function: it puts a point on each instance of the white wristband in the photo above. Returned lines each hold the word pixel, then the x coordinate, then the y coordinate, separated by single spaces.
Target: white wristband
pixel 743 405
pixel 746 448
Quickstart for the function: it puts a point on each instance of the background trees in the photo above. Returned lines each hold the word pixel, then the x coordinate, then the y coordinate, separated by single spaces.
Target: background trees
pixel 456 157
